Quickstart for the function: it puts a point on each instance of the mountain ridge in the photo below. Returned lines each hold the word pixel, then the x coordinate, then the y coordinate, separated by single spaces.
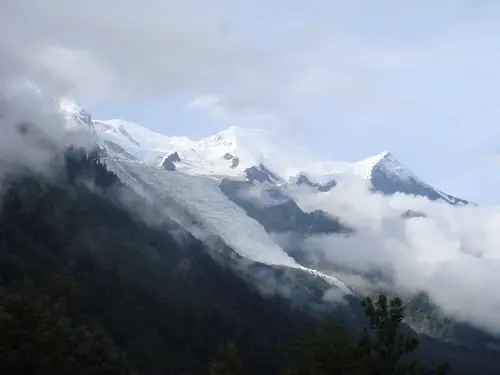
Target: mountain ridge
pixel 258 155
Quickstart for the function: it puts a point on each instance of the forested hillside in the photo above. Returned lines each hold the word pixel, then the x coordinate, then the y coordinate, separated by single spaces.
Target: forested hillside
pixel 87 287
pixel 166 305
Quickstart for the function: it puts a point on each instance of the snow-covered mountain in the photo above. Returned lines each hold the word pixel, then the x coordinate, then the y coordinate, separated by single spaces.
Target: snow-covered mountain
pixel 212 172
pixel 388 176
pixel 256 155
pixel 71 110
pixel 253 154
pixel 194 198
pixel 238 186
pixel 203 185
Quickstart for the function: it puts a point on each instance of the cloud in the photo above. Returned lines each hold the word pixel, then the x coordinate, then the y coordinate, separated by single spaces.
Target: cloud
pixel 151 49
pixel 453 254
pixel 255 57
pixel 370 73
pixel 31 123
pixel 77 67
pixel 212 104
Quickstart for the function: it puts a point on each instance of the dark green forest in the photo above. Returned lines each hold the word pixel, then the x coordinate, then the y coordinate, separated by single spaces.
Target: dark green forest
pixel 87 287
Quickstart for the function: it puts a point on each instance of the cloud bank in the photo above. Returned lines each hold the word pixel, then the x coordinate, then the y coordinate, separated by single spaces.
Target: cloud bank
pixel 32 124
pixel 452 254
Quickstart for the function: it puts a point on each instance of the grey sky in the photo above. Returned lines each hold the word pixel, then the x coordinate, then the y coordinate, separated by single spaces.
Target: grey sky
pixel 346 79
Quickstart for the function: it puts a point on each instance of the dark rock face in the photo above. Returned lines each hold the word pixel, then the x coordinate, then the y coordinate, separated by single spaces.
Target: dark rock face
pixel 84 117
pixel 327 187
pixel 235 162
pixel 174 157
pixel 260 174
pixel 168 163
pixel 303 180
pixel 408 214
pixel 277 194
pixel 387 184
pixel 282 215
pixel 388 177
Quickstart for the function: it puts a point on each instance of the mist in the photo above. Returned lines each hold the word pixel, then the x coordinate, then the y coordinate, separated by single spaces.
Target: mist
pixel 33 127
pixel 452 254
pixel 149 50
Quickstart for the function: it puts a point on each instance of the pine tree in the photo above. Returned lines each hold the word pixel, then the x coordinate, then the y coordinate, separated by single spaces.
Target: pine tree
pixel 381 349
pixel 226 360
pixel 384 345
pixel 333 350
pixel 37 336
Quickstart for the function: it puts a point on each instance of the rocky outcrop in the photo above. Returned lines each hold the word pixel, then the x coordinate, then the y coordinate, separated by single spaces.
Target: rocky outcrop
pixel 169 162
pixel 303 180
pixel 278 213
pixel 260 174
pixel 409 214
pixel 389 177
pixel 78 114
pixel 235 161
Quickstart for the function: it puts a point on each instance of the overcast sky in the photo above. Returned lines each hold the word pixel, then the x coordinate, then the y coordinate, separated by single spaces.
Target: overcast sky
pixel 347 79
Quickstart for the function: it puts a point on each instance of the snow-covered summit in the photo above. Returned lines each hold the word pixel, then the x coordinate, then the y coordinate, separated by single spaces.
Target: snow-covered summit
pixel 233 151
pixel 387 163
pixel 74 112
pixel 258 155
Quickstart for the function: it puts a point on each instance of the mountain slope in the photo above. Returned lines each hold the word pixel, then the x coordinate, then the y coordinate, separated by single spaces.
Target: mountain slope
pixel 157 291
pixel 388 176
pixel 202 199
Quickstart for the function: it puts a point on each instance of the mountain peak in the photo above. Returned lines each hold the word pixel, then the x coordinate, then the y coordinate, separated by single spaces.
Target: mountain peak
pixel 251 146
pixel 258 155
pixel 384 161
pixel 383 157
pixel 74 111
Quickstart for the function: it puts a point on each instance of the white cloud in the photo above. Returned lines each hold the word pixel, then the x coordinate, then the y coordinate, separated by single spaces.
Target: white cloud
pixel 77 67
pixel 393 65
pixel 153 48
pixel 29 97
pixel 212 104
pixel 453 254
